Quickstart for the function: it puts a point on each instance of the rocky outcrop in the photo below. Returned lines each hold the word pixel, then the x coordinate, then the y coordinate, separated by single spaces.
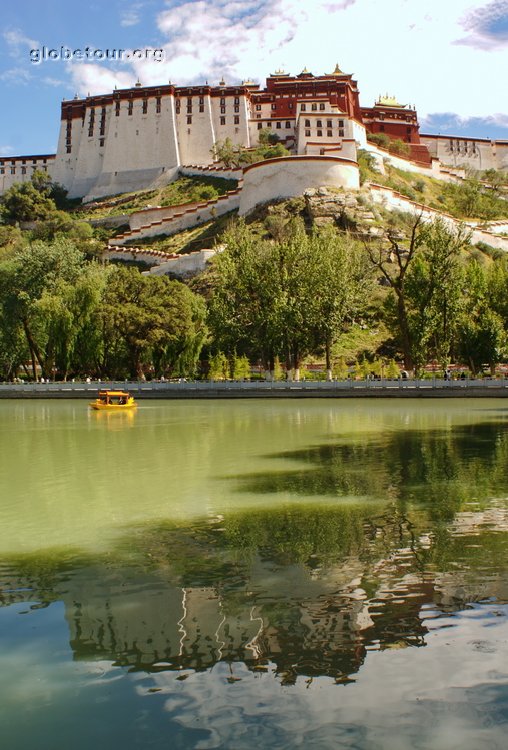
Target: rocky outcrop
pixel 348 210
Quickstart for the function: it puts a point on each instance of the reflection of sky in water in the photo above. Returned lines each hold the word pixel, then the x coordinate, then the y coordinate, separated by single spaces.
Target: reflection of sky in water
pixel 237 575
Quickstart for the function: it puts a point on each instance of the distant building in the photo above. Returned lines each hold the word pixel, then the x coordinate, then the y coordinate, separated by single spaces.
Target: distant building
pixel 133 138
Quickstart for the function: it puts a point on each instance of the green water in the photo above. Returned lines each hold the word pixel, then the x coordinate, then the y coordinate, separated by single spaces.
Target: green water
pixel 311 574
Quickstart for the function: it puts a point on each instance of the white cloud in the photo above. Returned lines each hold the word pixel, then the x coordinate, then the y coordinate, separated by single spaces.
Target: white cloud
pixel 90 78
pixel 19 76
pixel 6 150
pixel 18 42
pixel 131 16
pixel 488 26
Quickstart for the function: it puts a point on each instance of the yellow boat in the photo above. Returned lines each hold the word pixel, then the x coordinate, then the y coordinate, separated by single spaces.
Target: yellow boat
pixel 113 401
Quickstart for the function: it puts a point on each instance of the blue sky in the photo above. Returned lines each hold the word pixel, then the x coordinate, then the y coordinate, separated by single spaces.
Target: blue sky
pixel 447 57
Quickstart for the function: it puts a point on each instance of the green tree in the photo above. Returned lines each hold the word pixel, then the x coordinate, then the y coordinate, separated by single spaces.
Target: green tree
pixel 151 320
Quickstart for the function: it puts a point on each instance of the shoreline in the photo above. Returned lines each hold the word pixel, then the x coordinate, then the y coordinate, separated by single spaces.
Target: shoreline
pixel 279 389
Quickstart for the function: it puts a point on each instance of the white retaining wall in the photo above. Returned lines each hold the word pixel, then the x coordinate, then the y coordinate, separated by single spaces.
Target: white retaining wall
pixel 393 201
pixel 290 176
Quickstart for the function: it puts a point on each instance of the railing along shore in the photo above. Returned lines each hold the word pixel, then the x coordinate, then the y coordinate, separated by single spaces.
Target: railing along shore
pixel 436 387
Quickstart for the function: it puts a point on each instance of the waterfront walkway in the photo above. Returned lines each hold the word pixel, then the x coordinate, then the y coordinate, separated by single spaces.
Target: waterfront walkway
pixel 436 388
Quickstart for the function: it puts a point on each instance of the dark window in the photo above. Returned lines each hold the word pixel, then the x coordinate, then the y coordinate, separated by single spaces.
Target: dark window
pixel 341 123
pixel 288 124
pixel 145 106
pixel 321 106
pixel 201 101
pixel 223 101
pixel 314 106
pixel 158 105
pixel 237 120
pixel 222 120
pixel 189 101
pixel 260 125
pixel 101 142
pixel 189 119
pixel 69 149
pixel 307 123
pixel 307 133
pixel 319 124
pixel 23 170
pixel 223 110
pixel 129 110
pixel 258 106
pixel 268 124
pixel 201 108
pixel 320 133
pixel 303 107
pixel 279 125
pixel 237 109
pixel 117 109
pixel 329 124
pixel 341 133
pixel 329 133
pixel 13 171
pixel 274 106
pixel 237 100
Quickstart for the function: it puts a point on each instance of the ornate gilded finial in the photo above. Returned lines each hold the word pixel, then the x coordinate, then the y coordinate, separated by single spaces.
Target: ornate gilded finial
pixel 337 71
pixel 222 82
pixel 138 83
pixel 76 95
pixel 304 71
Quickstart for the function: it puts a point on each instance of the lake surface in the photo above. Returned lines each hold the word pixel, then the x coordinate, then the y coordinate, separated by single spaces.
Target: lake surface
pixel 280 574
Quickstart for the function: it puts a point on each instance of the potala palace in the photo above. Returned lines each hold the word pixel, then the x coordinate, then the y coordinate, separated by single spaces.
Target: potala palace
pixel 142 137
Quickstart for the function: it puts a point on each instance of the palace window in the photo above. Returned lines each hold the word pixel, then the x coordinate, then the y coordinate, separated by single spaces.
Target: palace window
pixel 189 101
pixel 223 101
pixel 117 109
pixel 145 106
pixel 23 170
pixel 2 170
pixel 237 120
pixel 274 106
pixel 288 124
pixel 201 101
pixel 101 142
pixel 303 107
pixel 130 107
pixel 158 105
pixel 307 123
pixel 69 149
pixel 329 133
pixel 341 133
pixel 260 125
pixel 279 125
pixel 321 106
pixel 314 106
pixel 222 120
pixel 258 106
pixel 319 124
pixel 341 123
pixel 237 100
pixel 320 133
pixel 201 108
pixel 307 133
pixel 13 170
pixel 268 124
pixel 189 120
pixel 290 105
pixel 237 109
pixel 329 124
pixel 223 110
